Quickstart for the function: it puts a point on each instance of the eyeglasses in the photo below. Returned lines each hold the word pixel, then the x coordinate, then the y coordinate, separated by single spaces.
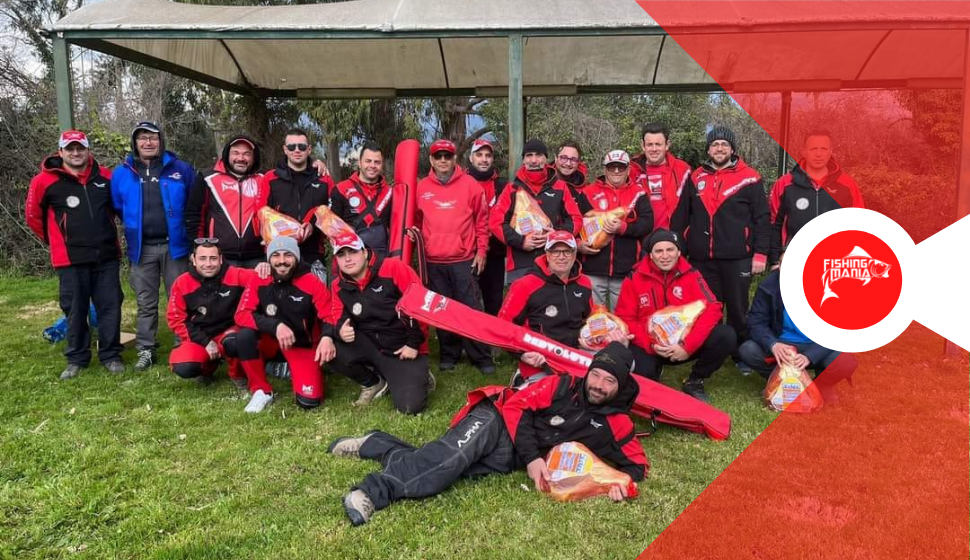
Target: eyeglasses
pixel 442 155
pixel 146 138
pixel 206 240
pixel 297 147
pixel 567 159
pixel 562 252
pixel 720 144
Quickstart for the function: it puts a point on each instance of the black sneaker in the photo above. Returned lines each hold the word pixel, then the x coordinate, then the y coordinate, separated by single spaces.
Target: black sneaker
pixel 71 371
pixel 695 388
pixel 115 367
pixel 446 366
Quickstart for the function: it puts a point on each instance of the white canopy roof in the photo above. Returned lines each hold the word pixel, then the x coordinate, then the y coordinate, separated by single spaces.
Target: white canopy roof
pixel 374 48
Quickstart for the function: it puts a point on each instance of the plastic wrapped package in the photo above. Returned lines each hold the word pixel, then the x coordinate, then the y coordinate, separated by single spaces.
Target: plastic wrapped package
pixel 791 389
pixel 576 474
pixel 593 233
pixel 600 323
pixel 330 224
pixel 670 325
pixel 528 217
pixel 273 224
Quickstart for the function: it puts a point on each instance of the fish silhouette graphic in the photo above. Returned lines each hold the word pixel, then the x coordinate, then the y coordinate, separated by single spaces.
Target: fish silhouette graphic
pixel 858 265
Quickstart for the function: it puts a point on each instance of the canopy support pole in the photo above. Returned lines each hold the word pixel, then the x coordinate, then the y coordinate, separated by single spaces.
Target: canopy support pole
pixel 62 79
pixel 785 132
pixel 516 106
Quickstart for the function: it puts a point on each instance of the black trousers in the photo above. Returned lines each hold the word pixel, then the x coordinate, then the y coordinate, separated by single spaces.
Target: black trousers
pixel 492 283
pixel 456 281
pixel 477 446
pixel 730 281
pixel 80 285
pixel 407 380
pixel 708 358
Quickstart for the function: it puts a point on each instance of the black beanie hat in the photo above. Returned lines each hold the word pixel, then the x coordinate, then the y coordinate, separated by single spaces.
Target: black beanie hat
pixel 535 146
pixel 721 133
pixel 661 235
pixel 615 359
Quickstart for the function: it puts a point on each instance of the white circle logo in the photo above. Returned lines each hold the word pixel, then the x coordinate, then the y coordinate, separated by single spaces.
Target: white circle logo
pixel 73 202
pixel 603 204
pixel 357 309
pixel 801 203
pixel 271 310
pixel 551 311
pixel 354 201
pixel 203 310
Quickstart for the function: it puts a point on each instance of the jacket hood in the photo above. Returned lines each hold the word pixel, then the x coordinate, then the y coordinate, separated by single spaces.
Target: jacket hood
pixel 620 404
pixel 489 175
pixel 161 142
pixel 284 172
pixel 455 176
pixel 542 270
pixel 736 164
pixel 578 177
pixel 55 164
pixel 254 168
pixel 374 262
pixel 800 176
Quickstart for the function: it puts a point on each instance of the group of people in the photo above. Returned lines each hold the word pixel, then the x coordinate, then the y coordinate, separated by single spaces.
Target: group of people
pixel 685 236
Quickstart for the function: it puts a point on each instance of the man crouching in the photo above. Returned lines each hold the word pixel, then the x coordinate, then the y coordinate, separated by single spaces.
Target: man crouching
pixel 499 431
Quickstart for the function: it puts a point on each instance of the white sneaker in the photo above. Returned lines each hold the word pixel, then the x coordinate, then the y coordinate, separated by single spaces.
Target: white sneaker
pixel 259 401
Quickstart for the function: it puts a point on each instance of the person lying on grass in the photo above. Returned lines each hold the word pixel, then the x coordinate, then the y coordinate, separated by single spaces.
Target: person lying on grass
pixel 500 430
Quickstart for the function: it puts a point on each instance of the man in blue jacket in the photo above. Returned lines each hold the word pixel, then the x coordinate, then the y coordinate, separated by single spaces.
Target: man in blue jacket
pixel 773 336
pixel 149 191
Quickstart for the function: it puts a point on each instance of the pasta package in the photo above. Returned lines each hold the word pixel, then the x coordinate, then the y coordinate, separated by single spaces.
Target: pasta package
pixel 670 325
pixel 330 224
pixel 528 217
pixel 576 474
pixel 791 389
pixel 593 233
pixel 273 224
pixel 600 323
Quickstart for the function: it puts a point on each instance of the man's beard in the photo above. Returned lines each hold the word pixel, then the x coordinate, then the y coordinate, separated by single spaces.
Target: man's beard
pixel 289 273
pixel 598 398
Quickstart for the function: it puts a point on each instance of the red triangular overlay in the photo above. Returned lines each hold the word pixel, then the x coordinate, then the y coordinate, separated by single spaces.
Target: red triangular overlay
pixel 883 474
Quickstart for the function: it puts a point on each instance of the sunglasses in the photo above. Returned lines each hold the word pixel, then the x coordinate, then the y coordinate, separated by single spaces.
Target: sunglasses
pixel 615 167
pixel 206 240
pixel 297 147
pixel 442 155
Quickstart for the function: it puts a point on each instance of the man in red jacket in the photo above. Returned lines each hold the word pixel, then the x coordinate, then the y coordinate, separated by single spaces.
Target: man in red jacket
pixel 365 200
pixel 377 347
pixel 452 216
pixel 608 265
pixel 724 219
pixel 663 175
pixel 201 313
pixel 499 430
pixel 666 279
pixel 69 208
pixel 286 312
pixel 817 185
pixel 539 182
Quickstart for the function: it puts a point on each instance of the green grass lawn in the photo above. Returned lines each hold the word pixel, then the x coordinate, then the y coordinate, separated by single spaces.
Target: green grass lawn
pixel 147 465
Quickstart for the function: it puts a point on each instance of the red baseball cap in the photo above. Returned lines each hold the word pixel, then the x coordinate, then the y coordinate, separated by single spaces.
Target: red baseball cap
pixel 347 240
pixel 69 137
pixel 481 143
pixel 560 237
pixel 442 146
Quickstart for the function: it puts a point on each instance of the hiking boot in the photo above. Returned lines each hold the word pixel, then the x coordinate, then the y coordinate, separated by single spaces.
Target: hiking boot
pixel 369 394
pixel 487 369
pixel 744 368
pixel 358 507
pixel 145 360
pixel 348 446
pixel 259 401
pixel 72 370
pixel 695 388
pixel 240 383
pixel 279 370
pixel 432 384
pixel 446 366
pixel 115 367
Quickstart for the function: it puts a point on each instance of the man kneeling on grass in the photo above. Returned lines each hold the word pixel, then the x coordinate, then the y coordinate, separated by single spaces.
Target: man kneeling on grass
pixel 500 430
pixel 201 314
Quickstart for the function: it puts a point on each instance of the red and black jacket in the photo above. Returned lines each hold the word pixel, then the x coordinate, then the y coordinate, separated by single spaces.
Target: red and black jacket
pixel 73 214
pixel 665 183
pixel 577 181
pixel 200 308
pixel 723 214
pixel 297 194
pixel 493 185
pixel 648 290
pixel 302 303
pixel 549 306
pixel 366 208
pixel 622 253
pixel 796 199
pixel 224 206
pixel 554 410
pixel 553 198
pixel 370 305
